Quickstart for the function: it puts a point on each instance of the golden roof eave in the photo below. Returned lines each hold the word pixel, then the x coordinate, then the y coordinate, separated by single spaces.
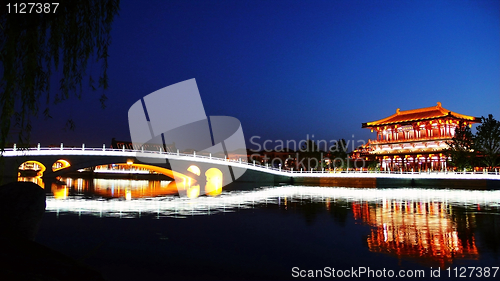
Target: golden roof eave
pixel 420 114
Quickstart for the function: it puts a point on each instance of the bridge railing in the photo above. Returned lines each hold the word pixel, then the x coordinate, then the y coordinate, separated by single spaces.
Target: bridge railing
pixel 253 164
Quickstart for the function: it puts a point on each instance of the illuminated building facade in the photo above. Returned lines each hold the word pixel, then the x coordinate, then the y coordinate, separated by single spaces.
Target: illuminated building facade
pixel 413 139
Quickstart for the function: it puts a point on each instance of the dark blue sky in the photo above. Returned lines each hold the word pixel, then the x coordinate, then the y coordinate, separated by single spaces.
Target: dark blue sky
pixel 286 69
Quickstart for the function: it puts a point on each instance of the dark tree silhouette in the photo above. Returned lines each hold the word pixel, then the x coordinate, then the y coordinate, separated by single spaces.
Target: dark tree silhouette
pixel 487 141
pixel 34 44
pixel 461 147
pixel 310 155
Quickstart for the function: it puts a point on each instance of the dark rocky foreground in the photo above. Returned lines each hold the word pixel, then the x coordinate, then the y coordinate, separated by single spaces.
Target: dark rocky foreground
pixel 22 205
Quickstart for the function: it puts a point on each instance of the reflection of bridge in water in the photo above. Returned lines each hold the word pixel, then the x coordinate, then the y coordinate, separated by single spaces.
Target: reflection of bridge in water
pixel 165 205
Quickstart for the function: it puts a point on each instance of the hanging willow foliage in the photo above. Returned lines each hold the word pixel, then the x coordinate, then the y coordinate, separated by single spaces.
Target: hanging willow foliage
pixel 32 45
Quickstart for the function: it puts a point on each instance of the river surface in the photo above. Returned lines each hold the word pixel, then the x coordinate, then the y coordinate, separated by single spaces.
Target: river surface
pixel 142 230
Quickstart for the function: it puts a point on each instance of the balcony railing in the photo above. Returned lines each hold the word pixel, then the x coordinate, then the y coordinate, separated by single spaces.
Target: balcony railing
pixel 421 139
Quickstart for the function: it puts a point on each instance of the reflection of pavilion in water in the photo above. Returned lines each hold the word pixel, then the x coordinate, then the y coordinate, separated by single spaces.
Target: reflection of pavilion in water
pixel 421 230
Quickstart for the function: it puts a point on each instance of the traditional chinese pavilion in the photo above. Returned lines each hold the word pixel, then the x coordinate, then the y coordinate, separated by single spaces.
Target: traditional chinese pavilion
pixel 414 139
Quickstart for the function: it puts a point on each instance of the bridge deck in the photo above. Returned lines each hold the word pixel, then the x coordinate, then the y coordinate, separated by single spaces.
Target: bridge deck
pixel 63 151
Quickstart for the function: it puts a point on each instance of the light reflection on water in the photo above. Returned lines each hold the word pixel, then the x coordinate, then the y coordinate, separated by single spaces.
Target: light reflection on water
pixel 229 201
pixel 434 226
pixel 132 198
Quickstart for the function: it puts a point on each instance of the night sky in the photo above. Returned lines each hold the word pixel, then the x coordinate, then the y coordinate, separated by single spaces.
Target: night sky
pixel 288 69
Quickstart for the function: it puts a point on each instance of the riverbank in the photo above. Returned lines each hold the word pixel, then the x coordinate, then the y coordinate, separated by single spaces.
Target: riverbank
pixel 396 182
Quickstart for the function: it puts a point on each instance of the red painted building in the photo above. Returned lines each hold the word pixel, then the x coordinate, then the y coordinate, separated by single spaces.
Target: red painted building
pixel 413 139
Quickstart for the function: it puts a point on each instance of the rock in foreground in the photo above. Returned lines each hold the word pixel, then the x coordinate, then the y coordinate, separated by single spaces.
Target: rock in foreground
pixel 22 205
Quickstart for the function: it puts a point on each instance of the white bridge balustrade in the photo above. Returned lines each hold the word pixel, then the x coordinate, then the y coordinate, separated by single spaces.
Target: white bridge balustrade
pixel 242 163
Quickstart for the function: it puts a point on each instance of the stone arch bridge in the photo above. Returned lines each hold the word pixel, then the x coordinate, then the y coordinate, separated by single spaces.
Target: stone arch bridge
pixel 55 161
pixel 194 168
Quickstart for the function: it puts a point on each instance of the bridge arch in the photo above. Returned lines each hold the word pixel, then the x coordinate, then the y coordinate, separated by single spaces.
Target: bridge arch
pixel 194 169
pixel 33 165
pixel 161 170
pixel 60 164
pixel 193 191
pixel 213 187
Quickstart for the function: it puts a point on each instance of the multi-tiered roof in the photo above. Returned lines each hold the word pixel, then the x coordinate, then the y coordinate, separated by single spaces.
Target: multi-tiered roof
pixel 420 114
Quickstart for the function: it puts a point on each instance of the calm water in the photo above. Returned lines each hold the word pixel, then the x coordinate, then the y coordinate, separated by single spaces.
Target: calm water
pixel 140 230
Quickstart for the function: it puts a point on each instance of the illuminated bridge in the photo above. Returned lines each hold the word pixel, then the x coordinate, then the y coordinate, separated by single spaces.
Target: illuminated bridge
pixel 56 161
pixel 52 162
